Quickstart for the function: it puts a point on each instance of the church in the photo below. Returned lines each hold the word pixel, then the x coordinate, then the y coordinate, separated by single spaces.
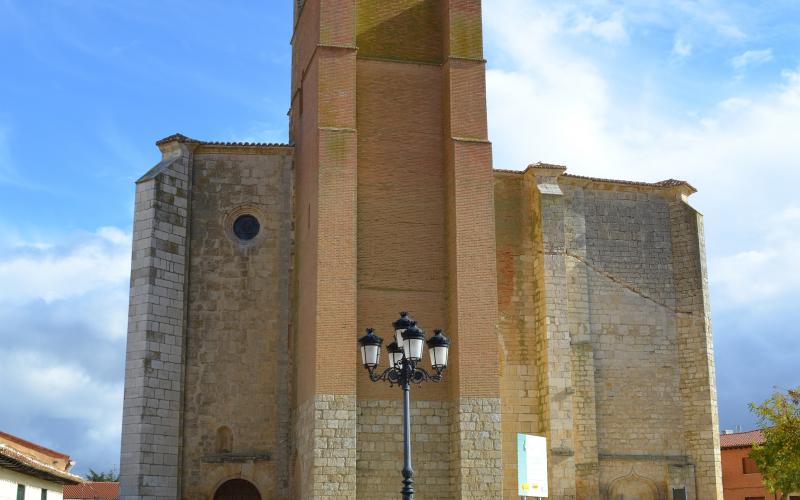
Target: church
pixel 577 307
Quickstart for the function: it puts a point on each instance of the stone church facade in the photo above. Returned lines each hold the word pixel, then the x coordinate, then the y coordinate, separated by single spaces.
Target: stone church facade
pixel 577 307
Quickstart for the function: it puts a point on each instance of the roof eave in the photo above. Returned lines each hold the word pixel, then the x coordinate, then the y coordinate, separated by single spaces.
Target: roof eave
pixel 182 139
pixel 41 473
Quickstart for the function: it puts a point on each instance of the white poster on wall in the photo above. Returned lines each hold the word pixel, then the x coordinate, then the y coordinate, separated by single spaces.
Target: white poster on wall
pixel 532 466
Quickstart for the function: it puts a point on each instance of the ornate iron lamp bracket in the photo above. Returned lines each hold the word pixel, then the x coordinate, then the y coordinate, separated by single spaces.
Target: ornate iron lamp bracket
pixel 405 372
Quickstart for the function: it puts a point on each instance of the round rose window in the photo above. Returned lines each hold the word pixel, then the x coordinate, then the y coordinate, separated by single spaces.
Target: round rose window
pixel 246 227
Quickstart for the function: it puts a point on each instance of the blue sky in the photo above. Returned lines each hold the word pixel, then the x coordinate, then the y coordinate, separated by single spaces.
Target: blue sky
pixel 707 91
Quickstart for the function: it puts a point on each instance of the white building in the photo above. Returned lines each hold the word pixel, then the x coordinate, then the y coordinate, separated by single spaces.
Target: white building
pixel 32 472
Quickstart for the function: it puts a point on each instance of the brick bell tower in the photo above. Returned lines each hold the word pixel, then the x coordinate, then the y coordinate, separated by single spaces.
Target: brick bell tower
pixel 393 211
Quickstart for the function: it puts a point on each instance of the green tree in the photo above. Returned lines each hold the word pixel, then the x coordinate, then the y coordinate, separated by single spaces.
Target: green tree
pixel 103 477
pixel 778 458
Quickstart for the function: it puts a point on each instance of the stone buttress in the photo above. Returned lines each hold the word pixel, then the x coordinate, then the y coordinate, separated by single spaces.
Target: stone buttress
pixel 604 334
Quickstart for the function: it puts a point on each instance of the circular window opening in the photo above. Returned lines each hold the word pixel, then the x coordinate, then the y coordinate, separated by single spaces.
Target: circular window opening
pixel 246 227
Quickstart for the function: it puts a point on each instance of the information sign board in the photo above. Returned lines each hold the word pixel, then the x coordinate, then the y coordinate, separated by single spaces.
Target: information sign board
pixel 532 465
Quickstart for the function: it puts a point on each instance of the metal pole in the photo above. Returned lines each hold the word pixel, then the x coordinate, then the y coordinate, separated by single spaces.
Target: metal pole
pixel 408 488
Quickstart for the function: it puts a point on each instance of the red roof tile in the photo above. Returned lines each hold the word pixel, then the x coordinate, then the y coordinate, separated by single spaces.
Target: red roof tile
pixel 33 446
pixel 13 459
pixel 92 490
pixel 741 439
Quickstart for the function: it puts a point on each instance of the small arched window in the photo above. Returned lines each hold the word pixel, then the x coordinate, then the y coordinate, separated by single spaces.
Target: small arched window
pixel 224 440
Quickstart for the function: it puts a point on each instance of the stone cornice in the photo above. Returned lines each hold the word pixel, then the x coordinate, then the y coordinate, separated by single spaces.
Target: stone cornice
pixel 182 139
pixel 669 188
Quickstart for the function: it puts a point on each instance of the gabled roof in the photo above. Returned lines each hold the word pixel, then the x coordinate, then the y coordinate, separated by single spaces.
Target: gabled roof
pixel 741 439
pixel 92 490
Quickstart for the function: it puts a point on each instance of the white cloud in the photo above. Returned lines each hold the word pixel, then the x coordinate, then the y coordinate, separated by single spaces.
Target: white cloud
pixel 714 15
pixel 752 58
pixel 611 29
pixel 43 271
pixel 771 272
pixel 568 103
pixel 87 410
pixel 681 48
pixel 66 389
pixel 63 317
pixel 544 95
pixel 550 103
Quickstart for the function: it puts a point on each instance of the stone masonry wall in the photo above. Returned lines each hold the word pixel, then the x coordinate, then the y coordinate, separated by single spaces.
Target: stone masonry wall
pixel 633 335
pixel 151 422
pixel 237 349
pixel 633 332
pixel 584 401
pixel 475 437
pixel 695 349
pixel 554 352
pixel 619 336
pixel 380 448
pixel 326 424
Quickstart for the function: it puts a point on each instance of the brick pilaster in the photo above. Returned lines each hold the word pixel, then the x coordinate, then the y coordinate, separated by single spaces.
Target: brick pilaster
pixel 476 441
pixel 323 128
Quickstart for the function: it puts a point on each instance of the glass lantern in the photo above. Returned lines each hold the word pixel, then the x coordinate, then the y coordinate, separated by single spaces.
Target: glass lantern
pixel 370 349
pixel 413 341
pixel 438 347
pixel 400 326
pixel 395 354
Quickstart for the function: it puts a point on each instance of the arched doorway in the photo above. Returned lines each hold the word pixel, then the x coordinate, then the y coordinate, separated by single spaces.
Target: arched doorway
pixel 237 489
pixel 633 487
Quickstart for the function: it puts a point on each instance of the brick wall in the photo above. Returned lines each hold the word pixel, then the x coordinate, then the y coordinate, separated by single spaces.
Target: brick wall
pixel 402 253
pixel 426 241
pixel 407 30
pixel 323 128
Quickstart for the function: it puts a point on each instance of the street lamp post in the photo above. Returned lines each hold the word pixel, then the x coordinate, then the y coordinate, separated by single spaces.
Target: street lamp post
pixel 404 354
